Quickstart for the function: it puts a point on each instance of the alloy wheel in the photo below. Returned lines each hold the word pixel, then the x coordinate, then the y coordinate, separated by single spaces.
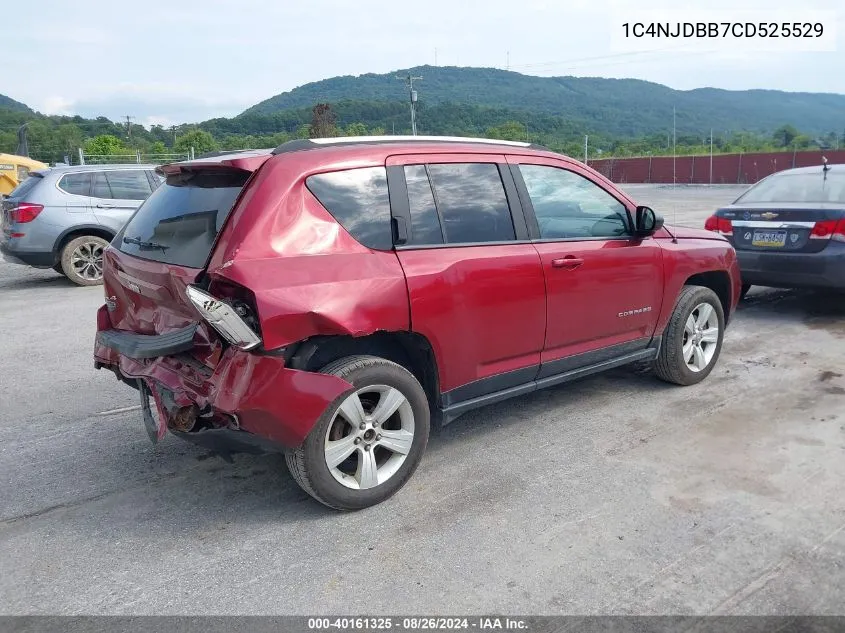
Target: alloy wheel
pixel 87 261
pixel 369 437
pixel 701 337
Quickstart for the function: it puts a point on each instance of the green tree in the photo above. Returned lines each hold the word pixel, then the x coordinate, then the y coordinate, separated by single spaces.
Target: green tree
pixel 200 140
pixel 104 144
pixel 355 129
pixel 322 122
pixel 784 135
pixel 158 147
pixel 377 131
pixel 508 131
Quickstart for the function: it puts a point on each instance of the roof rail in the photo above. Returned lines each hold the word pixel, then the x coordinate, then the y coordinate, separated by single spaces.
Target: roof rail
pixel 315 143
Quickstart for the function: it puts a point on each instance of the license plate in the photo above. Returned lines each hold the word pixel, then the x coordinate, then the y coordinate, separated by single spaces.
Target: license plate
pixel 772 239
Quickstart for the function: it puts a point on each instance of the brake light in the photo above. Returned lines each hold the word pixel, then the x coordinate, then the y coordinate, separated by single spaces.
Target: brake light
pixel 823 230
pixel 25 212
pixel 839 231
pixel 719 225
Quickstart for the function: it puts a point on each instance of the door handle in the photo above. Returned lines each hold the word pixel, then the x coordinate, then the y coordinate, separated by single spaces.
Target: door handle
pixel 569 262
pixel 104 206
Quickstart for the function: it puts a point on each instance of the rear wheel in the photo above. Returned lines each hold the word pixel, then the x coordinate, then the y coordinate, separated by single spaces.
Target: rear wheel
pixel 82 260
pixel 369 442
pixel 692 340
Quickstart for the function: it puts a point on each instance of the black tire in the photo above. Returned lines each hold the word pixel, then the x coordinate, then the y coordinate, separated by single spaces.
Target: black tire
pixel 744 291
pixel 670 364
pixel 307 463
pixel 67 259
pixel 58 269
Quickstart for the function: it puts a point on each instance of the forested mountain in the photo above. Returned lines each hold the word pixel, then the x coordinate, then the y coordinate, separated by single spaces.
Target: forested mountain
pixel 7 103
pixel 617 107
pixel 622 117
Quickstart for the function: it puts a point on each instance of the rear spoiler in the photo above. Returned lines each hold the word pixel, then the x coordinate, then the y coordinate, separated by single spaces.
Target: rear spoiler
pixel 247 160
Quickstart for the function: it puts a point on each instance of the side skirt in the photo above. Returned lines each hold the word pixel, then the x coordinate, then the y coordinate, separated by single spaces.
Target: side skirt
pixel 451 412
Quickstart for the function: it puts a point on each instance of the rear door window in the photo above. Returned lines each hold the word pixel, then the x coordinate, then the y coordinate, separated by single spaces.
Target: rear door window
pixel 472 202
pixel 100 186
pixel 76 184
pixel 179 222
pixel 129 184
pixel 425 222
pixel 359 201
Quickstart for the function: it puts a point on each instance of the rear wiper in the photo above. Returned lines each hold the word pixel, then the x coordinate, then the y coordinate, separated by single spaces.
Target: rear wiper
pixel 143 244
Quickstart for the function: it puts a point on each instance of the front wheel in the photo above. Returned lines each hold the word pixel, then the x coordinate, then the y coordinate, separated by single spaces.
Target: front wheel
pixel 368 442
pixel 693 338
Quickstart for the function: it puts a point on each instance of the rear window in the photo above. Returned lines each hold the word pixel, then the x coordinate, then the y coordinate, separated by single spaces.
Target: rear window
pixel 358 199
pixel 23 189
pixel 180 221
pixel 801 187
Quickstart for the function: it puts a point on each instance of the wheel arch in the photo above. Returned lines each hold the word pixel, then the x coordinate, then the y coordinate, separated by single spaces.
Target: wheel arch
pixel 408 349
pixel 719 281
pixel 79 230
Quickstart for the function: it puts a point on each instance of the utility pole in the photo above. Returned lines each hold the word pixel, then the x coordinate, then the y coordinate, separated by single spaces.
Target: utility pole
pixel 711 155
pixel 129 127
pixel 412 94
pixel 585 148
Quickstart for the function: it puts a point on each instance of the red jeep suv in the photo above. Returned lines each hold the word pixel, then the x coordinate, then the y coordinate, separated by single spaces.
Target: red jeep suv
pixel 333 298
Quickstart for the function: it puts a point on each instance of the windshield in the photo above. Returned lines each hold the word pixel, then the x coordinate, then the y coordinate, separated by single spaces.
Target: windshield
pixel 798 187
pixel 179 222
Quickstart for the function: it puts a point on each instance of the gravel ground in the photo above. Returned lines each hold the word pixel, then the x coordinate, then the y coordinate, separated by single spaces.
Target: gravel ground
pixel 616 494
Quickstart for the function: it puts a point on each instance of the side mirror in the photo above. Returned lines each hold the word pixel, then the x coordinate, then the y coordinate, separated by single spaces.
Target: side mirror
pixel 647 221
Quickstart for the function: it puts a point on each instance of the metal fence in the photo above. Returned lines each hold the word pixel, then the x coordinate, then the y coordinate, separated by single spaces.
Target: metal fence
pixel 137 157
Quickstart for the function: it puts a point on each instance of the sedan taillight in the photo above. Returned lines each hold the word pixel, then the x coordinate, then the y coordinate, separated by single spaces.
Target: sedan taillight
pixel 224 318
pixel 829 229
pixel 719 225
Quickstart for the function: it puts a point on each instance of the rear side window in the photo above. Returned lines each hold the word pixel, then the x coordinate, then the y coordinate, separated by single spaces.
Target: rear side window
pixel 77 184
pixel 23 189
pixel 472 202
pixel 358 200
pixel 179 222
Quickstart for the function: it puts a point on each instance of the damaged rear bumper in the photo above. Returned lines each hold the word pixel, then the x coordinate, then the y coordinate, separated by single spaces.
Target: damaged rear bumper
pixel 248 402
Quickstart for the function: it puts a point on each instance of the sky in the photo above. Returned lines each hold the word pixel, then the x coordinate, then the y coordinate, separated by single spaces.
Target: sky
pixel 169 62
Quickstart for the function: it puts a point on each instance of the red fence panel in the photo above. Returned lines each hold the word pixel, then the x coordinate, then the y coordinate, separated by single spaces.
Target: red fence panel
pixel 726 168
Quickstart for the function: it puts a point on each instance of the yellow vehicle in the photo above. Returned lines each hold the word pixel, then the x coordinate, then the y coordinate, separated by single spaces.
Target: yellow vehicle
pixel 14 170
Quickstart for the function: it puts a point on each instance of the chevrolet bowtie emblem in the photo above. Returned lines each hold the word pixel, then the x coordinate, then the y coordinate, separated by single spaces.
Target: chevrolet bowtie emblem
pixel 768 215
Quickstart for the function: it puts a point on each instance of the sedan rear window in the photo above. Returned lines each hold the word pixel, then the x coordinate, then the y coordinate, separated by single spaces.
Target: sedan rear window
pixel 181 219
pixel 800 187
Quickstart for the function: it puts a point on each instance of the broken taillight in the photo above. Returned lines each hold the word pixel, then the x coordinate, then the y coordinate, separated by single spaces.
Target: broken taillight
pixel 226 316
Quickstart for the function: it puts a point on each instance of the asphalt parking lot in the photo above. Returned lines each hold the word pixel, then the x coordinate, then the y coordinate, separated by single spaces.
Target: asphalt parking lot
pixel 616 494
